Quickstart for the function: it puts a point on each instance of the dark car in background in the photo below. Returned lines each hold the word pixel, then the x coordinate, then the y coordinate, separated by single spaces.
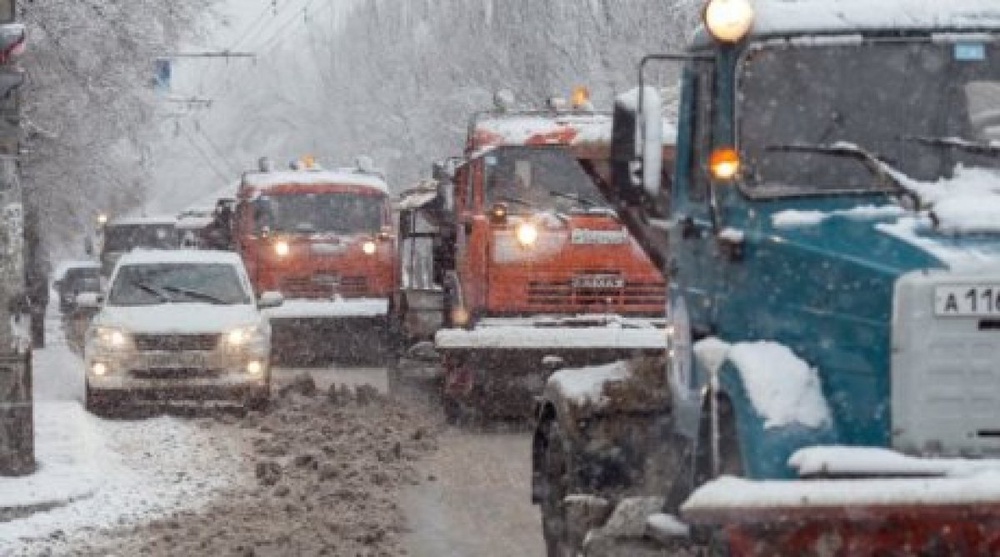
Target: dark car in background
pixel 75 278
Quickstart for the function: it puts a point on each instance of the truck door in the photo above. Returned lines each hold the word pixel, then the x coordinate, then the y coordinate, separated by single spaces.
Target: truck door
pixel 693 266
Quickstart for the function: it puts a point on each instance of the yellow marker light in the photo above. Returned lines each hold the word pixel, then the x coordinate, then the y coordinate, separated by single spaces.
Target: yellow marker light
pixel 728 20
pixel 460 317
pixel 499 213
pixel 369 247
pixel 724 164
pixel 255 368
pixel 99 369
pixel 527 234
pixel 581 97
pixel 282 248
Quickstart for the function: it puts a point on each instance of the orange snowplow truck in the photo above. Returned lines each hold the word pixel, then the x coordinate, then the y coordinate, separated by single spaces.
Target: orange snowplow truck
pixel 544 274
pixel 322 239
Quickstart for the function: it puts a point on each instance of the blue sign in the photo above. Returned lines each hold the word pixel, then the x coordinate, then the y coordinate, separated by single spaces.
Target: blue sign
pixel 161 78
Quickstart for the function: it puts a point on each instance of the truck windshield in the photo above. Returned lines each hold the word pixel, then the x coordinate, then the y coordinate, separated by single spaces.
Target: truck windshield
pixel 538 178
pixel 343 213
pixel 125 237
pixel 922 107
pixel 158 283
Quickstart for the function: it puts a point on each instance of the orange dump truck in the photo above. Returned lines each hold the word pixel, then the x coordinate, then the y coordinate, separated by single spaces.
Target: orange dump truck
pixel 323 239
pixel 536 271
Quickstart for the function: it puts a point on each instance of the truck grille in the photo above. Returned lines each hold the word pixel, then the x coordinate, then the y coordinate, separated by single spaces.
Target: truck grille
pixel 324 286
pixel 570 293
pixel 175 343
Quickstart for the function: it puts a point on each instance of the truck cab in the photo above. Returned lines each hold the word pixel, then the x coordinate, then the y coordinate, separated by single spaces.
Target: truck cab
pixel 123 234
pixel 833 248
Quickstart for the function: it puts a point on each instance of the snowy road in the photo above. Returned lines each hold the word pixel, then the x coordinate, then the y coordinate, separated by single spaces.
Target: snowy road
pixel 368 473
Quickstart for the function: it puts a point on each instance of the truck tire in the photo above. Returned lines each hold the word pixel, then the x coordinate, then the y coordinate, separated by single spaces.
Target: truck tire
pixel 555 472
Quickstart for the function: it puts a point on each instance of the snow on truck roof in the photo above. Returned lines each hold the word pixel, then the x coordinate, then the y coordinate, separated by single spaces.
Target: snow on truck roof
pixel 796 17
pixel 263 180
pixel 201 257
pixel 139 221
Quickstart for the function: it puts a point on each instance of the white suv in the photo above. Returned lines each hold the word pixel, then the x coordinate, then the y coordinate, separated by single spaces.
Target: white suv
pixel 178 325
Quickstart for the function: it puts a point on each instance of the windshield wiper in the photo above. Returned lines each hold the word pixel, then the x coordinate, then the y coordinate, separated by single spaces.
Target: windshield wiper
pixel 518 201
pixel 586 201
pixel 146 287
pixel 194 294
pixel 975 147
pixel 883 172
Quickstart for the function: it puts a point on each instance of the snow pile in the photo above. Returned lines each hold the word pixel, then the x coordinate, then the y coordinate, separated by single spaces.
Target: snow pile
pixel 783 389
pixel 585 386
pixel 912 230
pixel 792 218
pixel 665 527
pixel 264 180
pixel 967 202
pixel 540 337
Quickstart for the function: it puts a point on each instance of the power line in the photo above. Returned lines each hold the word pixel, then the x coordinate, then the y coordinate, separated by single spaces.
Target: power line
pixel 208 160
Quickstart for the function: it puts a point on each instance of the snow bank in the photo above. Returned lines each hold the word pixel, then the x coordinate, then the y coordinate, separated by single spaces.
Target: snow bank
pixel 585 386
pixel 783 388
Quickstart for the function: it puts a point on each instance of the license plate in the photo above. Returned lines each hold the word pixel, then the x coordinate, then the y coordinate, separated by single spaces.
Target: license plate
pixel 598 281
pixel 174 360
pixel 327 280
pixel 976 300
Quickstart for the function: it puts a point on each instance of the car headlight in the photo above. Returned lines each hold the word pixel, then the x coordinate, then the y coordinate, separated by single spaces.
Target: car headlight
pixel 111 338
pixel 527 234
pixel 281 248
pixel 243 336
pixel 369 247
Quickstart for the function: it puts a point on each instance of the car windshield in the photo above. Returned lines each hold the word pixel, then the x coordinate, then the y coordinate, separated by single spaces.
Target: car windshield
pixel 125 237
pixel 159 283
pixel 342 213
pixel 538 178
pixel 793 96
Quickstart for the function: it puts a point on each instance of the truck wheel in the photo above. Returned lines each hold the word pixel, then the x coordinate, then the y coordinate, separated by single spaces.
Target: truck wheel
pixel 38 331
pixel 555 473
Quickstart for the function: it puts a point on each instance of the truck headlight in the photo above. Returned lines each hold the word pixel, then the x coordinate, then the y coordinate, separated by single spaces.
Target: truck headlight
pixel 243 336
pixel 527 234
pixel 110 338
pixel 369 247
pixel 281 248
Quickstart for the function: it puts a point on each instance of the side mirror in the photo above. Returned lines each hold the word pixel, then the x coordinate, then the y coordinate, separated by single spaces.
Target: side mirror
pixel 637 144
pixel 270 300
pixel 88 300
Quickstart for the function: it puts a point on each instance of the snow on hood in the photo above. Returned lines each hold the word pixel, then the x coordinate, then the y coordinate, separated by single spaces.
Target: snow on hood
pixel 968 202
pixel 792 218
pixel 782 388
pixel 187 318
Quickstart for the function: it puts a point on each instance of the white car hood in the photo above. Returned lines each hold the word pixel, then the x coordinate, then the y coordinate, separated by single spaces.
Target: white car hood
pixel 179 318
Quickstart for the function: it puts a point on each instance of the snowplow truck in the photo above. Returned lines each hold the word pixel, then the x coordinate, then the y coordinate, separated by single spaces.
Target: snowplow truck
pixel 832 238
pixel 324 240
pixel 540 268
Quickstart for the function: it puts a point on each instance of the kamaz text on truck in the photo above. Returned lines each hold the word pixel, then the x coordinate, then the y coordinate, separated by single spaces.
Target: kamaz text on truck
pixel 322 238
pixel 834 259
pixel 542 268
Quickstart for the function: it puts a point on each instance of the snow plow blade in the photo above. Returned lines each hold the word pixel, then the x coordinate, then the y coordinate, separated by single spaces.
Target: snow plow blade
pixel 912 506
pixel 352 332
pixel 500 367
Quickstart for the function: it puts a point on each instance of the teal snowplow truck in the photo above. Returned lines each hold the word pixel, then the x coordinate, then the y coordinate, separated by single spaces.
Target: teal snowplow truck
pixel 832 241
